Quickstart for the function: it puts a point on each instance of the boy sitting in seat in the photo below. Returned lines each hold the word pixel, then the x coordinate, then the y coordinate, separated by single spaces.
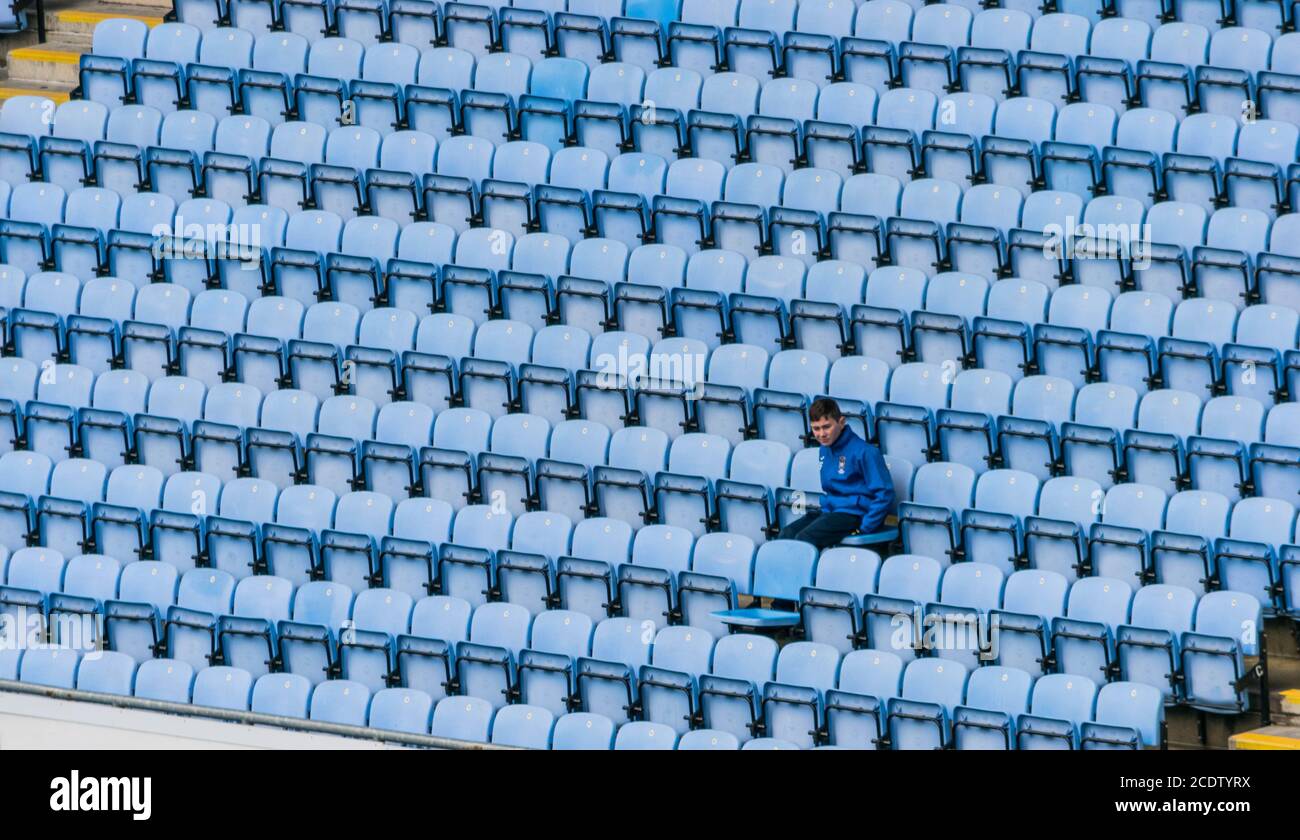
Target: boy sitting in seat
pixel 857 491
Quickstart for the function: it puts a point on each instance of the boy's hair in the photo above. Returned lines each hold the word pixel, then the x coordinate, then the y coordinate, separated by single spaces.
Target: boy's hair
pixel 824 409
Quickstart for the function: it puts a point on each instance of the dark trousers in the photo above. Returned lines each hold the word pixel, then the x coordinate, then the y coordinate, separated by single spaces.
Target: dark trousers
pixel 822 529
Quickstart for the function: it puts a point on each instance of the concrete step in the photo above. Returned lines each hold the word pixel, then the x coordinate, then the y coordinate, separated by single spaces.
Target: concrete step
pixel 26 38
pixel 1268 738
pixel 55 61
pixel 1290 704
pixel 74 21
pixel 66 23
pixel 159 7
pixel 11 88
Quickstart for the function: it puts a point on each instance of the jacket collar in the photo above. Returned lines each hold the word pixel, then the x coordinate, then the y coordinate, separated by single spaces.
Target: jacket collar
pixel 846 436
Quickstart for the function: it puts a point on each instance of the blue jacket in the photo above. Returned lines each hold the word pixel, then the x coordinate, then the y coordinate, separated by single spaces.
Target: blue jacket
pixel 856 480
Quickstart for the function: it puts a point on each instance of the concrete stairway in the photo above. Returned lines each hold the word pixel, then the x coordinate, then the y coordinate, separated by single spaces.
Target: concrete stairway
pixel 1283 734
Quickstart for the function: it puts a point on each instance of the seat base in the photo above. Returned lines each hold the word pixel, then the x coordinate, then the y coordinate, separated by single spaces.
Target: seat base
pixel 757 619
pixel 888 535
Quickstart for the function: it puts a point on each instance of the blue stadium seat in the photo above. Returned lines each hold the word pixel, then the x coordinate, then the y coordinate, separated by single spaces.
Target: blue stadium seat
pixel 486 665
pixel 855 710
pixel 1156 457
pixel 1031 599
pixel 108 673
pixel 992 530
pixel 930 523
pixel 283 695
pixel 1061 703
pixel 606 681
pixel 401 710
pixel 968 592
pixel 1084 639
pixel 114 43
pixel 425 657
pixel 1226 631
pixel 583 731
pixel 365 647
pixel 223 688
pixel 546 668
pixel 164 679
pixel 341 702
pixel 191 624
pixel 51 667
pixel 246 637
pixel 1128 716
pixel 643 735
pixel 1045 70
pixel 729 698
pixel 1147 647
pixel 462 718
pixel 523 726
pixel 906 582
pixel 921 716
pixel 89 581
pixel 1106 74
pixel 1118 542
pixel 1181 554
pixel 321 609
pixel 996 697
pixel 707 739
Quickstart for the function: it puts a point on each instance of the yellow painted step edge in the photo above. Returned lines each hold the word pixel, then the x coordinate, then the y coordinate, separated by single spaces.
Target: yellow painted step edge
pixel 1256 741
pixel 38 54
pixel 1291 695
pixel 71 16
pixel 52 95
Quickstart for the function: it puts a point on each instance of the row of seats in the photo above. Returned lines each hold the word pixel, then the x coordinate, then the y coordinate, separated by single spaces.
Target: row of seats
pixel 1079 333
pixel 1032 626
pixel 1068 523
pixel 894 315
pixel 1113 244
pixel 83 144
pixel 502 367
pixel 848 598
pixel 833 310
pixel 560 373
pixel 351 704
pixel 1158 125
pixel 75 504
pixel 221 70
pixel 773 302
pixel 1237 255
pixel 742 502
pixel 1111 721
pixel 833 307
pixel 1196 539
pixel 908 129
pixel 921 411
pixel 704 33
pixel 1210 166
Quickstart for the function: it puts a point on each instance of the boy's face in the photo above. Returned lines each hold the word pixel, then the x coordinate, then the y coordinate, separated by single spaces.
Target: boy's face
pixel 827 431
